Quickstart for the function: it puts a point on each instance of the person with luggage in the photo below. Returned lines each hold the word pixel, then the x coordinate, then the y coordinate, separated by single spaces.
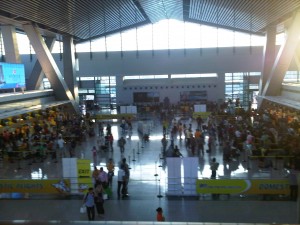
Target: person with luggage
pixel 89 202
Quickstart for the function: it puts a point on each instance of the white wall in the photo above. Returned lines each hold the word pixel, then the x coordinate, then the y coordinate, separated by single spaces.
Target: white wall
pixel 209 60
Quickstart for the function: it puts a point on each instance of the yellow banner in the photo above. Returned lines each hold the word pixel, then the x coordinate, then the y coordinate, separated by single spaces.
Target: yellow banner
pixel 84 174
pixel 272 187
pixel 222 186
pixel 84 168
pixel 203 115
pixel 35 186
pixel 239 186
pixel 84 184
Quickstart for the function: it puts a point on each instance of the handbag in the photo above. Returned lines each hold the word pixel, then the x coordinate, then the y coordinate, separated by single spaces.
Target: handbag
pixel 105 196
pixel 83 209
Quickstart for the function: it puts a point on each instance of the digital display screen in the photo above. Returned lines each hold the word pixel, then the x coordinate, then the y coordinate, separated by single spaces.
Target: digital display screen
pixel 145 97
pixel 12 75
pixel 192 96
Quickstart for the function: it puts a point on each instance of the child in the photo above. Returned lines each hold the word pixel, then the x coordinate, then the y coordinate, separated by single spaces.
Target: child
pixel 159 215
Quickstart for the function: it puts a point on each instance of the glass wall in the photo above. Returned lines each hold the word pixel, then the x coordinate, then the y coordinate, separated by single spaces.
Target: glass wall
pixel 165 34
pixel 239 86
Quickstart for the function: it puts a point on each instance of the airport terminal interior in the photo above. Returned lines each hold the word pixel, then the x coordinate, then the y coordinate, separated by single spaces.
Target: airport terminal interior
pixel 196 100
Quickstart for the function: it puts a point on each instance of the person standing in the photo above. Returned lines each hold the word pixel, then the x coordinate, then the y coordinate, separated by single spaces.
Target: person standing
pixel 95 175
pixel 103 178
pixel 89 202
pixel 214 165
pixel 293 184
pixel 159 215
pixel 61 146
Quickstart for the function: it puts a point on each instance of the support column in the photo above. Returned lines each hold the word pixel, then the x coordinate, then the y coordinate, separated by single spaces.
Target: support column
pixel 49 66
pixel 69 65
pixel 36 77
pixel 283 59
pixel 10 44
pixel 269 55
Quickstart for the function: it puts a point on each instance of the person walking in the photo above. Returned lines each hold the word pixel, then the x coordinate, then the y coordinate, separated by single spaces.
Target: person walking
pixel 126 180
pixel 99 201
pixel 89 202
pixel 121 144
pixel 164 143
pixel 121 180
pixel 111 171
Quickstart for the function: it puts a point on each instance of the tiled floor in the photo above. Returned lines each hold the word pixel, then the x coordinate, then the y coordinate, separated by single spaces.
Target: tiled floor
pixel 144 188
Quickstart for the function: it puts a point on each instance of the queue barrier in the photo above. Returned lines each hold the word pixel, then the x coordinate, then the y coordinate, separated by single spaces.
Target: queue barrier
pixel 275 157
pixel 111 116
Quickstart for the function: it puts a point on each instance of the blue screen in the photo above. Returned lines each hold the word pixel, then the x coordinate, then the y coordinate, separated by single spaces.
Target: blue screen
pixel 12 76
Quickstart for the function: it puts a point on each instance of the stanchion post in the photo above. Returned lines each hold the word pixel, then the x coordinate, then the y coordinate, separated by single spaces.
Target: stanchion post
pixel 159 190
pixel 160 158
pixel 155 169
pixel 245 155
pixel 138 148
pixel 133 153
pixel 248 163
pixel 129 162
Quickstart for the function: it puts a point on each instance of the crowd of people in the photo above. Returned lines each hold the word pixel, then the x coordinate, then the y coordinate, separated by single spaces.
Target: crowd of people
pixel 103 182
pixel 53 133
pixel 271 131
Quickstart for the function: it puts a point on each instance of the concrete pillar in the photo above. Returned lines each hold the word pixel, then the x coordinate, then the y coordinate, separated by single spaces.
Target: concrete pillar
pixel 283 59
pixel 36 76
pixel 10 44
pixel 44 56
pixel 69 65
pixel 269 55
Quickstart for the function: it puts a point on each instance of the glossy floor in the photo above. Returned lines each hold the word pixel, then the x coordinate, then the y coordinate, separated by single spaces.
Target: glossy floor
pixel 148 187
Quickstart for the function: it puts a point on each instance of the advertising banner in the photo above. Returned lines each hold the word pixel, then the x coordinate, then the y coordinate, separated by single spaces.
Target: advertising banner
pixel 35 186
pixel 12 75
pixel 241 186
pixel 84 174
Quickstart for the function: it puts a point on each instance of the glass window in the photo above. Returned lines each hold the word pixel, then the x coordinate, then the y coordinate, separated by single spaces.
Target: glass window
pixel 87 78
pixel 160 76
pixel 202 75
pixel 165 34
pixel 131 77
pixel 291 76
